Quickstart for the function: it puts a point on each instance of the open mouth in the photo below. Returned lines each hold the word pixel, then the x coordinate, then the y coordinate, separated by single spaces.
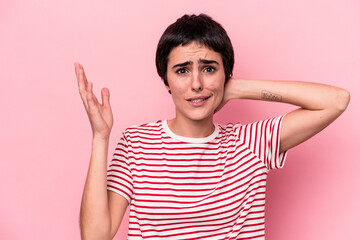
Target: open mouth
pixel 197 100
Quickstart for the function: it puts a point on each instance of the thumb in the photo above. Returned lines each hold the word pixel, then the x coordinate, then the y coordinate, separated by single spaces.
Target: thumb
pixel 105 97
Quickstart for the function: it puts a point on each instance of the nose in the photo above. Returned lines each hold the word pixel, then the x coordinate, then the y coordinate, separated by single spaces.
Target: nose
pixel 196 82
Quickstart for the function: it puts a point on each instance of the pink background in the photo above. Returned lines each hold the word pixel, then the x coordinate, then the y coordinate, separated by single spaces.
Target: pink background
pixel 44 132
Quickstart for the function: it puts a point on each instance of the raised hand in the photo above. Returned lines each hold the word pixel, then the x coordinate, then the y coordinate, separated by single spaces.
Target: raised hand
pixel 100 115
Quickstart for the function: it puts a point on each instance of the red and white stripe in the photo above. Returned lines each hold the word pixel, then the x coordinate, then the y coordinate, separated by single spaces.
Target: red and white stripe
pixel 184 188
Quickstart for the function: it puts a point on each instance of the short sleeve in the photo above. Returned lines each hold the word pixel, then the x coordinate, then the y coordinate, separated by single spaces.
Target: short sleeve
pixel 119 178
pixel 263 139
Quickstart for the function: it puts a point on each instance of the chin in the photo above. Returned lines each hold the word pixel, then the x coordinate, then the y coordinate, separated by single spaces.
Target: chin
pixel 200 116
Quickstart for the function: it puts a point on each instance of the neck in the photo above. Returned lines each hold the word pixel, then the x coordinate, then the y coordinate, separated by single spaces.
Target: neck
pixel 191 128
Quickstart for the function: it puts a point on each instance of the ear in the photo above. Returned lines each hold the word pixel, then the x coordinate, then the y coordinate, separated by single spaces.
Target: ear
pixel 168 89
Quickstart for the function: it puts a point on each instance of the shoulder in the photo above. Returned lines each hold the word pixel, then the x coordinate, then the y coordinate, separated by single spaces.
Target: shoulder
pixel 229 130
pixel 228 127
pixel 252 127
pixel 152 128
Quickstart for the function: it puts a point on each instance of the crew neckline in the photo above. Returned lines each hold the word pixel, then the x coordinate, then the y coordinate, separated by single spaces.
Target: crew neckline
pixel 190 139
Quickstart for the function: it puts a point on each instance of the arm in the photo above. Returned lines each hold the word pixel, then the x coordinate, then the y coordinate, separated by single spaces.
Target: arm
pixel 101 211
pixel 319 105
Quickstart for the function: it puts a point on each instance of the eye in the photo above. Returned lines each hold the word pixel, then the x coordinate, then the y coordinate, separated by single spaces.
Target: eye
pixel 181 71
pixel 209 69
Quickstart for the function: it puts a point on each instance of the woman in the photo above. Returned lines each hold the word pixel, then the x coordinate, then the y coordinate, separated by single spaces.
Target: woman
pixel 188 178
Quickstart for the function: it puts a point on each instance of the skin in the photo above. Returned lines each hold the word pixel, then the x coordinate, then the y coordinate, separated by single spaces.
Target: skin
pixel 196 71
pixel 319 105
pixel 101 210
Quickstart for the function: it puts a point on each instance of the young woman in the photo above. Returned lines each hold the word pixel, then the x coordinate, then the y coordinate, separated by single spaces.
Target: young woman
pixel 188 178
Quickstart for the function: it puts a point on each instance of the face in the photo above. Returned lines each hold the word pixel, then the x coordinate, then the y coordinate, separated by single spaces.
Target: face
pixel 196 80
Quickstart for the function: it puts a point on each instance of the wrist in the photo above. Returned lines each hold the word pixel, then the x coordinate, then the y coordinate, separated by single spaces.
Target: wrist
pixel 233 88
pixel 100 139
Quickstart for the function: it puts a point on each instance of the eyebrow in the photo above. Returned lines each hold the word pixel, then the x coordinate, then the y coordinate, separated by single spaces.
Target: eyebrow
pixel 183 64
pixel 203 61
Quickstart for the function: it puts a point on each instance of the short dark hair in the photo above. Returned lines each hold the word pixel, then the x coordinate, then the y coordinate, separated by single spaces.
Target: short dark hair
pixel 192 28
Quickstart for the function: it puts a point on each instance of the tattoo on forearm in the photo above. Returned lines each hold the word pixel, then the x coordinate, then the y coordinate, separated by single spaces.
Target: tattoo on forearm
pixel 269 96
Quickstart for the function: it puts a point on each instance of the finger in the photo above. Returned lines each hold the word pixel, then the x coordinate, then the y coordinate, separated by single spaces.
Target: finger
pixel 93 111
pixel 81 77
pixel 76 65
pixel 105 97
pixel 83 73
pixel 90 97
pixel 77 71
pixel 82 82
pixel 96 101
pixel 81 85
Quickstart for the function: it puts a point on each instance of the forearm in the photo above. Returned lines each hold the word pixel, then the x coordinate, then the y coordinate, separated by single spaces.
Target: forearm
pixel 319 105
pixel 95 220
pixel 311 96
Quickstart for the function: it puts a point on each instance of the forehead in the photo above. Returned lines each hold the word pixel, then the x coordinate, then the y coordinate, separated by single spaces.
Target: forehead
pixel 193 52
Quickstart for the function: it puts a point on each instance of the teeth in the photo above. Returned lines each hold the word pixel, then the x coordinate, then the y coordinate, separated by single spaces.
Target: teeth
pixel 197 100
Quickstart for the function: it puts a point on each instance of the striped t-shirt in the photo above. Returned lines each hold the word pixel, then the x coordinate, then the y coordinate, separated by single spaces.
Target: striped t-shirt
pixel 196 188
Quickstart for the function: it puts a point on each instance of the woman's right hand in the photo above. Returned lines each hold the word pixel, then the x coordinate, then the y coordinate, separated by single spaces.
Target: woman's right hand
pixel 100 115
